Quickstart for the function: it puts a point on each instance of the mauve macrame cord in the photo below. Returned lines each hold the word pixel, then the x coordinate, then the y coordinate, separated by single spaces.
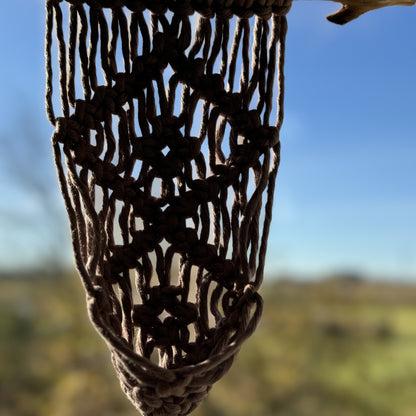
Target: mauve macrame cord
pixel 108 174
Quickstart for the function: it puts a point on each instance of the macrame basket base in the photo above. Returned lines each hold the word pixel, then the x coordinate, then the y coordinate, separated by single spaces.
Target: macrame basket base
pixel 164 158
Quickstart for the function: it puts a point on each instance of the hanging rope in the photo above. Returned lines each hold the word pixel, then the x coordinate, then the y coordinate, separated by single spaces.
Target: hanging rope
pixel 163 159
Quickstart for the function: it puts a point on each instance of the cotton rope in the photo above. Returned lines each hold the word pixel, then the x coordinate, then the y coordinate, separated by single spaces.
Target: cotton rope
pixel 163 160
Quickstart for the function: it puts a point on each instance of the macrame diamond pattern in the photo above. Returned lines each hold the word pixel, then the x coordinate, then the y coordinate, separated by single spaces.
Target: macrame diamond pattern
pixel 163 161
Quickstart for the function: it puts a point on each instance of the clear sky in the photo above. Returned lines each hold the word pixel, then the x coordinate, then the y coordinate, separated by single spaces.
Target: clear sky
pixel 346 193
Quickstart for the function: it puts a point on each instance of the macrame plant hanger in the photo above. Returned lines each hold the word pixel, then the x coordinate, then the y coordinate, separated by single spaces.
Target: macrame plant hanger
pixel 167 161
pixel 164 159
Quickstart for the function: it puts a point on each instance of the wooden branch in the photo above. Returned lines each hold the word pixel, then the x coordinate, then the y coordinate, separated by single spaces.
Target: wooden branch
pixel 351 9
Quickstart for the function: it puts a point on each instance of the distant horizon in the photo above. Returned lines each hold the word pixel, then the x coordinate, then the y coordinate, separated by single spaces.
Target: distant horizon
pixel 296 277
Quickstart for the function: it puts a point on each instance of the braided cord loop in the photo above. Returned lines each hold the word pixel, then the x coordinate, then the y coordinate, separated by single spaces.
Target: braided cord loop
pixel 166 145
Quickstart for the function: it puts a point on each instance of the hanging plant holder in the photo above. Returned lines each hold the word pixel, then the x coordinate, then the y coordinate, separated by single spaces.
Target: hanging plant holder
pixel 167 160
pixel 167 150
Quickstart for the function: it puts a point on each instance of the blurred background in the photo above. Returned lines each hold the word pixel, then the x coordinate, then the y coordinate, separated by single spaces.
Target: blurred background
pixel 338 334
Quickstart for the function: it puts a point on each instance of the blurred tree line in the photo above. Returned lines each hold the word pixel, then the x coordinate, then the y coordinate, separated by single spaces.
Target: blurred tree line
pixel 34 235
pixel 341 347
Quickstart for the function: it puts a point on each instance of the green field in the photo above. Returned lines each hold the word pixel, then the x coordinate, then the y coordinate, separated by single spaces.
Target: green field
pixel 339 347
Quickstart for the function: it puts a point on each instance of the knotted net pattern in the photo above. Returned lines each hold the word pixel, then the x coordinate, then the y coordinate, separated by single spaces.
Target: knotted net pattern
pixel 163 159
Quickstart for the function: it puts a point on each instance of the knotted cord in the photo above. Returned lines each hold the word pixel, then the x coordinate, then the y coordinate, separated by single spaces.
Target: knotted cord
pixel 163 160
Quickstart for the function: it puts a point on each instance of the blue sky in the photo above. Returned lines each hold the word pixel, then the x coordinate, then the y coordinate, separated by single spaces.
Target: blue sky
pixel 346 193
